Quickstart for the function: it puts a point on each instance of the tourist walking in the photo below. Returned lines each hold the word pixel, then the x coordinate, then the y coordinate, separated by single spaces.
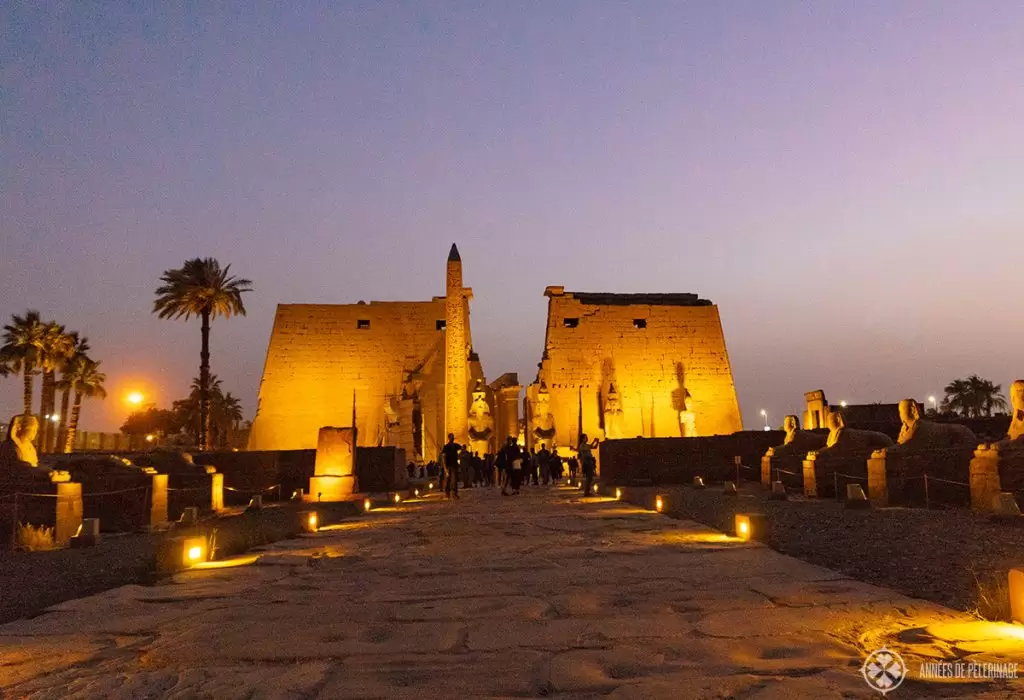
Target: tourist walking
pixel 544 464
pixel 586 453
pixel 450 458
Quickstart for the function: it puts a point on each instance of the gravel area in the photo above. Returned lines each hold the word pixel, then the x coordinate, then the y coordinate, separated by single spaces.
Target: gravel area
pixel 936 555
pixel 30 582
pixel 33 581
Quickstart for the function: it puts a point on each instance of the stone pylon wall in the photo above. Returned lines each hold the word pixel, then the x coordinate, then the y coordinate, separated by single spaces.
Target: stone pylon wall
pixel 319 355
pixel 682 348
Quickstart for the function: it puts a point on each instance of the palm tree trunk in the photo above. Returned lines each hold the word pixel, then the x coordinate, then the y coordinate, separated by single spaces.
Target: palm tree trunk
pixel 27 395
pixel 65 401
pixel 76 411
pixel 204 385
pixel 47 404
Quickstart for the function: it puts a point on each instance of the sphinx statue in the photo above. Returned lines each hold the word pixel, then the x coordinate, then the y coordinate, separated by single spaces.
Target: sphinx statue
pixel 942 450
pixel 18 456
pixel 1005 459
pixel 612 414
pixel 542 418
pixel 846 452
pixel 797 441
pixel 785 462
pixel 481 422
pixel 19 446
pixel 1016 430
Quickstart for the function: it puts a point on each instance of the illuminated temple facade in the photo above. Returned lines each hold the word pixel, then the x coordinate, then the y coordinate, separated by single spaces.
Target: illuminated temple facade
pixel 629 365
pixel 403 373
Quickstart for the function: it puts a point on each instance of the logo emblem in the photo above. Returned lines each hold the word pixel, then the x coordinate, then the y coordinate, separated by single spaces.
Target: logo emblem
pixel 884 670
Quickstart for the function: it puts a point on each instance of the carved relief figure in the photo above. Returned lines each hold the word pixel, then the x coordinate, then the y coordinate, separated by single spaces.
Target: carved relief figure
pixel 612 414
pixel 481 422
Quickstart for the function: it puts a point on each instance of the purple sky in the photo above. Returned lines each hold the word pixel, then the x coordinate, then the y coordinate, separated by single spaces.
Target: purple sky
pixel 845 180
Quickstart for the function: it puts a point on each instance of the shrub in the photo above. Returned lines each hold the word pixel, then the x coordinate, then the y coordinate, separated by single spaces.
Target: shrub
pixel 31 538
pixel 992 598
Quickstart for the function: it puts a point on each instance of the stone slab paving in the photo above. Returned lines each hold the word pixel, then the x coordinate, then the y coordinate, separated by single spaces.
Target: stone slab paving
pixel 544 594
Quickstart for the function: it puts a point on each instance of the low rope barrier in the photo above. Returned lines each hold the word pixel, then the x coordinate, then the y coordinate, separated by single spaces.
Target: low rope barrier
pixel 269 488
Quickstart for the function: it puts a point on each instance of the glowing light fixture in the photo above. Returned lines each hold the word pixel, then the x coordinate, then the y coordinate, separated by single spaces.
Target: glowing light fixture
pixel 195 554
pixel 618 494
pixel 54 418
pixel 659 504
pixel 367 504
pixel 416 492
pixel 398 498
pixel 1017 595
pixel 430 485
pixel 750 526
pixel 150 438
pixel 135 398
pixel 843 404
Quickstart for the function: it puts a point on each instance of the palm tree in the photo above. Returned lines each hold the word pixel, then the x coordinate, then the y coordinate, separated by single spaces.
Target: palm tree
pixel 58 347
pixel 201 288
pixel 81 350
pixel 973 397
pixel 226 414
pixel 86 382
pixel 23 345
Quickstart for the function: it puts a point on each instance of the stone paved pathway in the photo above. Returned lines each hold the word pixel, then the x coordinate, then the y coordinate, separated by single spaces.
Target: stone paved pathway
pixel 541 594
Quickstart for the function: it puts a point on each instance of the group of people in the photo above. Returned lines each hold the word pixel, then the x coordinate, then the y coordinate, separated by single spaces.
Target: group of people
pixel 510 468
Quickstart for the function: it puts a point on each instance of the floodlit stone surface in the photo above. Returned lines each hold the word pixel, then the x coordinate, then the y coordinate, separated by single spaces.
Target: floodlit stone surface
pixel 546 593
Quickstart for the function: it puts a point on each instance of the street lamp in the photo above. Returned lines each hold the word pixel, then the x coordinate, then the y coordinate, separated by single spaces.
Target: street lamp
pixel 931 400
pixel 842 404
pixel 135 398
pixel 764 414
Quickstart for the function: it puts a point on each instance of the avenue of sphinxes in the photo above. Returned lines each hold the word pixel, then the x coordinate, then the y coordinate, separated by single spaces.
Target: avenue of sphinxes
pixel 404 371
pixel 629 365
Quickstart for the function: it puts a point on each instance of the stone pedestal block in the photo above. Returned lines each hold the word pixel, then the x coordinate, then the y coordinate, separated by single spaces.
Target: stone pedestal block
pixel 984 480
pixel 331 488
pixel 217 492
pixel 878 489
pixel 810 478
pixel 69 512
pixel 766 472
pixel 158 500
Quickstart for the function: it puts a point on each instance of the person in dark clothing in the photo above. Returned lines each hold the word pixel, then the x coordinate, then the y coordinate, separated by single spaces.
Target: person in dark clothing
pixel 574 466
pixel 450 458
pixel 544 464
pixel 589 463
pixel 517 470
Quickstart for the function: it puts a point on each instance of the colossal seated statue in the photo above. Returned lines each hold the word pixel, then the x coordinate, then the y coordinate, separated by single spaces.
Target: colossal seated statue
pixel 941 450
pixel 785 462
pixel 612 415
pixel 843 459
pixel 687 418
pixel 481 422
pixel 543 420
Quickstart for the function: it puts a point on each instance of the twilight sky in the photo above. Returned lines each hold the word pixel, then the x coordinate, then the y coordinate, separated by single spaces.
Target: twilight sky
pixel 844 179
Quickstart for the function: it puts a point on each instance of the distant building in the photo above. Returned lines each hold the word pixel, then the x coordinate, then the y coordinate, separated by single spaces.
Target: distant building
pixel 628 365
